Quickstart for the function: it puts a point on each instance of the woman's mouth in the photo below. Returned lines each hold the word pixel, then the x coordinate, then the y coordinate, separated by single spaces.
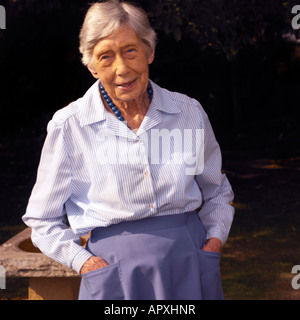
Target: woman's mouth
pixel 126 85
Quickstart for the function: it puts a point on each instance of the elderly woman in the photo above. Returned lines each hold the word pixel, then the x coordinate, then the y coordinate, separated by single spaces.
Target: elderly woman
pixel 139 167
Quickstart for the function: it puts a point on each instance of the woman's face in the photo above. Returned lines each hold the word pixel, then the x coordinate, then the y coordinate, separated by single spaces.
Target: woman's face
pixel 121 62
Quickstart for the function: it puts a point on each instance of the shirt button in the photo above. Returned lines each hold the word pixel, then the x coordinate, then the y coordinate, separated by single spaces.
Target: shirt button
pixel 152 207
pixel 146 173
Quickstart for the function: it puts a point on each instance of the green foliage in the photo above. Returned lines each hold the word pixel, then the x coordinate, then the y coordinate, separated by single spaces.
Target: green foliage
pixel 226 26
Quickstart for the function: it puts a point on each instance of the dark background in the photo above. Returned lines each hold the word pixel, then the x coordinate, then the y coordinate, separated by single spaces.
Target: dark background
pixel 230 55
pixel 234 56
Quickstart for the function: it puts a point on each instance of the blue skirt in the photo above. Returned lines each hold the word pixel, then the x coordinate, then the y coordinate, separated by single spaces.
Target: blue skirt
pixel 157 258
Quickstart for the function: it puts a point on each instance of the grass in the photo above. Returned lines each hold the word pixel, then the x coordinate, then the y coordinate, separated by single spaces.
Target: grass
pixel 258 265
pixel 264 242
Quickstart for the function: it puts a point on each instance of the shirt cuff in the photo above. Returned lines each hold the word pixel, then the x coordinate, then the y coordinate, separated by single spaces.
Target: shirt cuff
pixel 80 259
pixel 217 233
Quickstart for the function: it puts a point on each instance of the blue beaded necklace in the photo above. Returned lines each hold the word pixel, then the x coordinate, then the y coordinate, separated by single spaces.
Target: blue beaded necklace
pixel 113 106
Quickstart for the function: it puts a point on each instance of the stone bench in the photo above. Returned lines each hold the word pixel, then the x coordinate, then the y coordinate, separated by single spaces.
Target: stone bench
pixel 48 279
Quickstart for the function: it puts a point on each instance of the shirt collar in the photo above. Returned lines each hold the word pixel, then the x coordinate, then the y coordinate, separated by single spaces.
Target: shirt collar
pixel 163 101
pixel 93 109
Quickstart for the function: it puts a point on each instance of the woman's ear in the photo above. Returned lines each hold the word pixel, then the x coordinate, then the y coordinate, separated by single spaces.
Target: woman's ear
pixel 93 71
pixel 151 57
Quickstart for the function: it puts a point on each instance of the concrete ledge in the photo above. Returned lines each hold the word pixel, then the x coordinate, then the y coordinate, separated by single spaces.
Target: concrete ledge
pixel 66 288
pixel 48 279
pixel 21 259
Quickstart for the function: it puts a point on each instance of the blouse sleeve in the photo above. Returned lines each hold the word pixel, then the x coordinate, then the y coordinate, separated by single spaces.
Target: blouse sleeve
pixel 216 212
pixel 45 211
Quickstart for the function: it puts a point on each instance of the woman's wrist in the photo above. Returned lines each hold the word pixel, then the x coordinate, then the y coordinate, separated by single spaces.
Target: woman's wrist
pixel 213 245
pixel 93 263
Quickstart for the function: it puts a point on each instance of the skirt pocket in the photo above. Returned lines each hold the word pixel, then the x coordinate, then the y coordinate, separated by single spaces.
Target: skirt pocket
pixel 210 275
pixel 102 284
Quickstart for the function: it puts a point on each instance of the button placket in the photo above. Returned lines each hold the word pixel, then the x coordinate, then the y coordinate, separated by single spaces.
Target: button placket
pixel 146 173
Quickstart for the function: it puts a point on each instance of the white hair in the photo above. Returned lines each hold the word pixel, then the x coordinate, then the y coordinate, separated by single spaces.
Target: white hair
pixel 104 18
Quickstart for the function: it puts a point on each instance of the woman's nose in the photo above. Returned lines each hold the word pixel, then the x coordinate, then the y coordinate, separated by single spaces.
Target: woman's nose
pixel 121 67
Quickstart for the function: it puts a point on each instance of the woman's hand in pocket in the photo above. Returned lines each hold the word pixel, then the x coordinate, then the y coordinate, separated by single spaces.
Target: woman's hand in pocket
pixel 92 264
pixel 213 245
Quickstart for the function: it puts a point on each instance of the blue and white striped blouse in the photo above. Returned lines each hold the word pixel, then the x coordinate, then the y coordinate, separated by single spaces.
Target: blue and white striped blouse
pixel 98 172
